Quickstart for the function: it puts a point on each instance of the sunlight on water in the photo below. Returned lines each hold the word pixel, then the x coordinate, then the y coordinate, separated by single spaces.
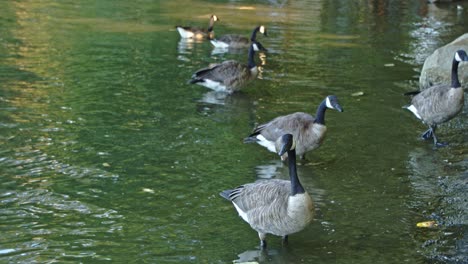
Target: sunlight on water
pixel 113 26
pixel 109 155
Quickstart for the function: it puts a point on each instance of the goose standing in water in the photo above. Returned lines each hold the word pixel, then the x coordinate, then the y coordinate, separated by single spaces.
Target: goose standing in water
pixel 228 76
pixel 277 207
pixel 440 103
pixel 198 33
pixel 308 131
pixel 238 42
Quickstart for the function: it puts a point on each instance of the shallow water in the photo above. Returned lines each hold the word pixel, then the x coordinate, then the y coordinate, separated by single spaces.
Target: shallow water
pixel 108 155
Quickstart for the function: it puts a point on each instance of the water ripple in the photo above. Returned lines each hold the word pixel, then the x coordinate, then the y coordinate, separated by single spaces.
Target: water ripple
pixel 38 217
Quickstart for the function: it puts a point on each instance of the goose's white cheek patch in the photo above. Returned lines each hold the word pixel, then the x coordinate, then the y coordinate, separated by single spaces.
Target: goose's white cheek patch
pixel 328 103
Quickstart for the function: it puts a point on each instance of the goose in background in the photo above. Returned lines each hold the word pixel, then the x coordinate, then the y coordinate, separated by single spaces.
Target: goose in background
pixel 278 207
pixel 228 76
pixel 440 103
pixel 198 33
pixel 235 41
pixel 308 131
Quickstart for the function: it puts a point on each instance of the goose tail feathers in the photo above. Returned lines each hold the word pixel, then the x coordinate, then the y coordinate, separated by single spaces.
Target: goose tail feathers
pixel 412 93
pixel 250 140
pixel 225 194
pixel 194 80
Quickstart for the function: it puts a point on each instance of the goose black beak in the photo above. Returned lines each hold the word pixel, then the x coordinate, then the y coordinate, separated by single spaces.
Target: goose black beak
pixel 286 142
pixel 338 108
pixel 282 150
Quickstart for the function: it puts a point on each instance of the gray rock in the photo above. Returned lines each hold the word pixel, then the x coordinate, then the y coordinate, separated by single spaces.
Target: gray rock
pixel 437 67
pixel 440 1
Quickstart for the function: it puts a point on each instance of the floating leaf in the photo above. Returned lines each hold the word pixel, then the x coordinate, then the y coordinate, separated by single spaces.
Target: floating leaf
pixel 148 190
pixel 427 224
pixel 357 94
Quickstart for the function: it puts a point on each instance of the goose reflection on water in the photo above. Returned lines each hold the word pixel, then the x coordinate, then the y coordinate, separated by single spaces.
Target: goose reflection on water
pixel 214 98
pixel 270 170
pixel 256 256
pixel 185 46
pixel 223 50
pixel 212 102
pixel 263 61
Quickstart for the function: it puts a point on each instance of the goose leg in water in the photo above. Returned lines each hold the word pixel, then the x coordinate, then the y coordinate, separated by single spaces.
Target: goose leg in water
pixel 263 242
pixel 436 142
pixel 285 240
pixel 427 135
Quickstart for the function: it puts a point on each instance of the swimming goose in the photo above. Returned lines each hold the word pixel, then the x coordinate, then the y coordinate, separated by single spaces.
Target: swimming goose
pixel 440 103
pixel 198 33
pixel 277 207
pixel 308 131
pixel 237 41
pixel 228 76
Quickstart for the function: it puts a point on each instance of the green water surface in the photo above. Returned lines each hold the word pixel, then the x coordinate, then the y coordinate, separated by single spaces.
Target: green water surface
pixel 108 155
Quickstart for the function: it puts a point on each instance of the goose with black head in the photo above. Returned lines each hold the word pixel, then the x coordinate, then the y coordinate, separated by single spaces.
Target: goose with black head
pixel 309 131
pixel 189 32
pixel 440 103
pixel 278 207
pixel 229 76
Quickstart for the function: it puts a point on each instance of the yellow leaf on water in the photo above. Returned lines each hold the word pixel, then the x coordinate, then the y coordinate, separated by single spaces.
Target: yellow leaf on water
pixel 427 224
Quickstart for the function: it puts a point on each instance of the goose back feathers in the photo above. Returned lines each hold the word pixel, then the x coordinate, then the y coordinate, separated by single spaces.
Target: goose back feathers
pixel 235 41
pixel 229 76
pixel 445 103
pixel 268 208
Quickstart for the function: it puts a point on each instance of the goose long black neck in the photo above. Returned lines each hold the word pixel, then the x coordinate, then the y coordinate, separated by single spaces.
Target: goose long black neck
pixel 320 115
pixel 253 37
pixel 455 81
pixel 210 27
pixel 251 61
pixel 296 186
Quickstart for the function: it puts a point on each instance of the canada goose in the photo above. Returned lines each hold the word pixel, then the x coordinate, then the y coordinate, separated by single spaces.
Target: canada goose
pixel 198 33
pixel 228 76
pixel 237 41
pixel 277 207
pixel 440 103
pixel 308 131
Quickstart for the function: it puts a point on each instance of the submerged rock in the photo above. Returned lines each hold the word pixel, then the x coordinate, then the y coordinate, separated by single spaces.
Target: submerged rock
pixel 437 67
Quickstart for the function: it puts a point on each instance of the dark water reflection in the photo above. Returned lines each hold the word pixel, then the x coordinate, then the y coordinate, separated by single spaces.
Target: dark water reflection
pixel 107 155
